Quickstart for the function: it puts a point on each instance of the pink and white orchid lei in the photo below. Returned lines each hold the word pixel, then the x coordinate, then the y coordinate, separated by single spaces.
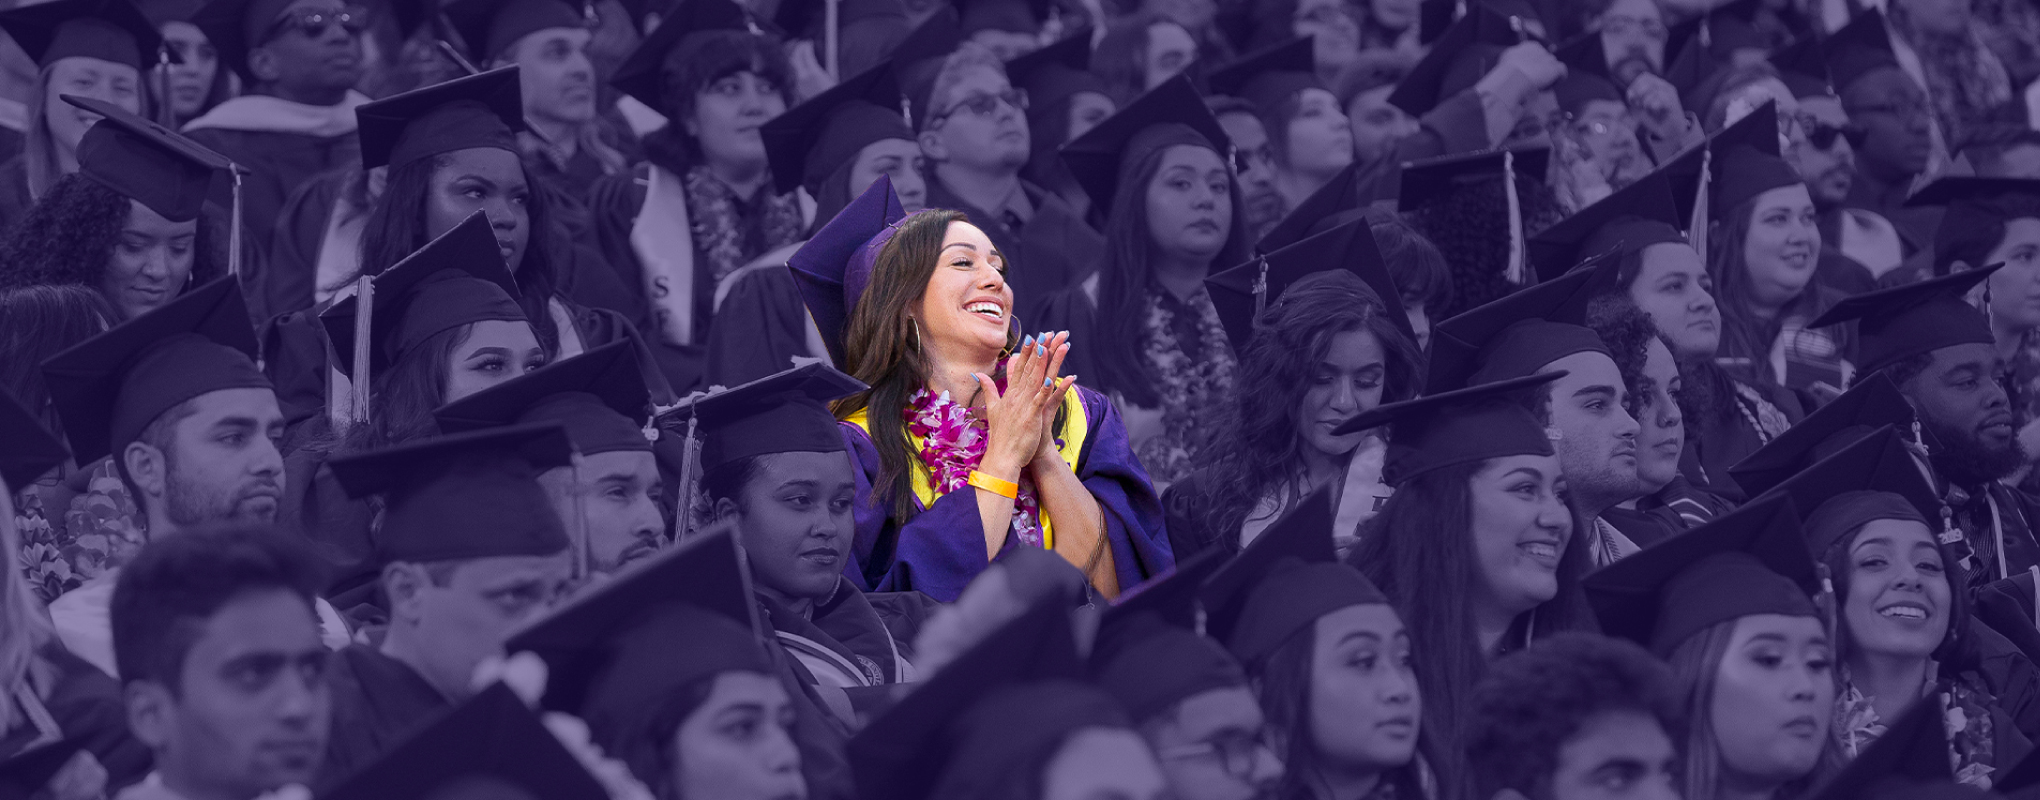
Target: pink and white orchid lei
pixel 953 443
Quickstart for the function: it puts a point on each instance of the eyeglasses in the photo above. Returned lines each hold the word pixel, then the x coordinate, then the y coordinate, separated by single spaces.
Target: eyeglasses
pixel 314 24
pixel 1624 25
pixel 1237 753
pixel 984 104
pixel 1605 126
pixel 1823 136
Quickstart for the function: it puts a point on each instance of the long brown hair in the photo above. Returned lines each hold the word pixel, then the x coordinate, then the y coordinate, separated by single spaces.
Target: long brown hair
pixel 883 346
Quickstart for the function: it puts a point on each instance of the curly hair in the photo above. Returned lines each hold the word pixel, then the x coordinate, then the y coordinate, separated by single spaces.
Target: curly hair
pixel 1468 228
pixel 1258 449
pixel 700 59
pixel 1533 701
pixel 1627 332
pixel 68 236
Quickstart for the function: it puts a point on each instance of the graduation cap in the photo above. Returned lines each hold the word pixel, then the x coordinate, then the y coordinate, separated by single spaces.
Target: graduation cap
pixel 1055 73
pixel 1268 77
pixel 1635 217
pixel 1014 16
pixel 684 614
pixel 1732 167
pixel 1802 65
pixel 642 74
pixel 456 279
pixel 142 160
pixel 24 775
pixel 1333 204
pixel 1168 115
pixel 1577 89
pixel 1460 56
pixel 1912 751
pixel 1242 293
pixel 1458 426
pixel 162 11
pixel 1872 402
pixel 488 746
pixel 235 27
pixel 31 450
pixel 1873 478
pixel 463 496
pixel 1148 654
pixel 1281 582
pixel 2021 780
pixel 1748 561
pixel 1430 181
pixel 599 396
pixel 1698 48
pixel 1976 212
pixel 919 57
pixel 108 30
pixel 1584 55
pixel 1916 318
pixel 111 386
pixel 482 110
pixel 1008 696
pixel 802 18
pixel 834 266
pixel 785 412
pixel 1521 333
pixel 1859 48
pixel 489 27
pixel 820 137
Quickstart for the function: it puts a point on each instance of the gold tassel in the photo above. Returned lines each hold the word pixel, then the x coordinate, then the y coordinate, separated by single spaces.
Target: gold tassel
pixel 1514 273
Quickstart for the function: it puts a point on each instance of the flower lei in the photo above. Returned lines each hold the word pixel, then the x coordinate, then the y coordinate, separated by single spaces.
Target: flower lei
pixel 1192 391
pixel 722 236
pixel 1965 715
pixel 953 442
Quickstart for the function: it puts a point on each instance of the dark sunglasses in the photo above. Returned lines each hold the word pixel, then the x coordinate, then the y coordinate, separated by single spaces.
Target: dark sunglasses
pixel 1823 135
pixel 314 24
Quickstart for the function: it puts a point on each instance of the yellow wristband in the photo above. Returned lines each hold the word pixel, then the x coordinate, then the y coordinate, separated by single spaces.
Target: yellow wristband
pixel 1003 488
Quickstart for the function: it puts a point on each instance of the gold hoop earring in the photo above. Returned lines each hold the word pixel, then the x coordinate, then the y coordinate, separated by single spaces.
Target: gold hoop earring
pixel 915 330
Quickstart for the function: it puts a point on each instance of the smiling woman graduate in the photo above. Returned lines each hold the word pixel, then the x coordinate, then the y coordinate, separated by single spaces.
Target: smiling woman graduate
pixel 967 443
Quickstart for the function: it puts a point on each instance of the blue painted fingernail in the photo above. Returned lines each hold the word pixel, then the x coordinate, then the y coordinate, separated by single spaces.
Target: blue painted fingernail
pixel 1027 341
pixel 1040 350
pixel 1047 382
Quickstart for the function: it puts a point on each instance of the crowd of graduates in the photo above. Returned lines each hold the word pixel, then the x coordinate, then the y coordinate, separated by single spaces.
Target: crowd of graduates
pixel 1019 399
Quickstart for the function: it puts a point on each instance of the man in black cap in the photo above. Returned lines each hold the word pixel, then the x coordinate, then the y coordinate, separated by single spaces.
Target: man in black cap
pixel 548 41
pixel 1939 351
pixel 174 397
pixel 975 136
pixel 1577 716
pixel 221 659
pixel 1988 221
pixel 470 550
pixel 300 60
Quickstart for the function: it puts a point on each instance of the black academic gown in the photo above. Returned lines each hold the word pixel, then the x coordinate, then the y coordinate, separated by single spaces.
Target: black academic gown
pixel 286 280
pixel 15 201
pixel 279 163
pixel 86 705
pixel 377 701
pixel 760 326
pixel 1055 251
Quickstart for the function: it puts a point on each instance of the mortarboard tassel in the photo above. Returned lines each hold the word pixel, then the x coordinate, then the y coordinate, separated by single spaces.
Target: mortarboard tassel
pixel 234 226
pixel 1514 271
pixel 1696 227
pixel 1261 286
pixel 683 517
pixel 364 314
pixel 832 11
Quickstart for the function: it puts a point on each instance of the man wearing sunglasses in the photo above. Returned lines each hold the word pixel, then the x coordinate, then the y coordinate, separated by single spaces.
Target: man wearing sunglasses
pixel 975 136
pixel 298 61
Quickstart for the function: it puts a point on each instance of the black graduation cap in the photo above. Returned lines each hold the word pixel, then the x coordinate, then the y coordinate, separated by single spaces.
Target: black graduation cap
pixel 835 265
pixel 1873 478
pixel 489 27
pixel 1697 49
pixel 144 161
pixel 31 449
pixel 1281 582
pixel 108 30
pixel 1860 47
pixel 599 396
pixel 1584 55
pixel 2021 780
pixel 785 412
pixel 906 752
pixel 1014 16
pixel 161 11
pixel 481 110
pixel 1634 217
pixel 802 19
pixel 235 27
pixel 1457 427
pixel 1912 319
pixel 1803 67
pixel 1748 561
pixel 463 496
pixel 488 746
pixel 1577 89
pixel 1872 402
pixel 1736 163
pixel 1241 293
pixel 1054 73
pixel 1457 59
pixel 1269 76
pixel 456 279
pixel 1519 334
pixel 111 386
pixel 1428 181
pixel 919 57
pixel 1975 208
pixel 642 73
pixel 822 136
pixel 1912 751
pixel 684 614
pixel 1167 115
pixel 24 775
pixel 1333 204
pixel 1148 654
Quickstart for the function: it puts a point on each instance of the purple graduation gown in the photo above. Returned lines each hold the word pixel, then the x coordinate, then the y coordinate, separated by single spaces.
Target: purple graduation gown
pixel 941 549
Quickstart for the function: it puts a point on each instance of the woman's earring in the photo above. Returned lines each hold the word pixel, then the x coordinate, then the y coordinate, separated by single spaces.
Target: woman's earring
pixel 915 330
